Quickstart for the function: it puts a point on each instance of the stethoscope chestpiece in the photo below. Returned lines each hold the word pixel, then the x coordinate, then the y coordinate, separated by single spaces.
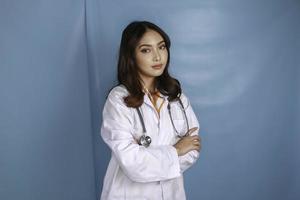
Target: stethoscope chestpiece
pixel 145 140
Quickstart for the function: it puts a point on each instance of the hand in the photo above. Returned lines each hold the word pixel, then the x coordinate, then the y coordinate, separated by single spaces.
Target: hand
pixel 188 143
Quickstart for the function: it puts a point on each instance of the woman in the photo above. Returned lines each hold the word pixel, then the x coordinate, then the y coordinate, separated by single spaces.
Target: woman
pixel 146 122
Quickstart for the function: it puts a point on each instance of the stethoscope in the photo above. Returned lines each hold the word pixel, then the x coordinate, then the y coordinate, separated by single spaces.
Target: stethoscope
pixel 145 140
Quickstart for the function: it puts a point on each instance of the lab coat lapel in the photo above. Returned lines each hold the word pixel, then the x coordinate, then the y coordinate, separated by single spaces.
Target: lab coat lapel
pixel 147 101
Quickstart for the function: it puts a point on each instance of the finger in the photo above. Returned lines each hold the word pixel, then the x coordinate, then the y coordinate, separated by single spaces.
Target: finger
pixel 195 137
pixel 197 144
pixel 196 141
pixel 192 130
pixel 197 148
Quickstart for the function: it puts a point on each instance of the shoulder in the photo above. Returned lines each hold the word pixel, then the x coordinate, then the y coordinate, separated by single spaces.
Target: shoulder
pixel 119 91
pixel 117 94
pixel 115 108
pixel 185 100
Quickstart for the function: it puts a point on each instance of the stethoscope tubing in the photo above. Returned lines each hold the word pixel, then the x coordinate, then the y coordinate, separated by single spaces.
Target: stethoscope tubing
pixel 185 116
pixel 146 140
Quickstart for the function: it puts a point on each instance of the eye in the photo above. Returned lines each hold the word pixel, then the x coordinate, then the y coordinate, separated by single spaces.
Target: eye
pixel 162 47
pixel 145 50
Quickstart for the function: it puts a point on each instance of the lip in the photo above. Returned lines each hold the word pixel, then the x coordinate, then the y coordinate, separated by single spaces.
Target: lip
pixel 159 66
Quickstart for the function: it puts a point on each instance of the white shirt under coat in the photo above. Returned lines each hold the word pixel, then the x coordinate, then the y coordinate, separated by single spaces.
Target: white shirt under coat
pixel 136 172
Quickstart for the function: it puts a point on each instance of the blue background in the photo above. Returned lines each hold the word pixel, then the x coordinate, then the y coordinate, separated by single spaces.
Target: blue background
pixel 238 62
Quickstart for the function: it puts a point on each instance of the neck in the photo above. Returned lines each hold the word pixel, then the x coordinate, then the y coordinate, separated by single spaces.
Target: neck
pixel 149 83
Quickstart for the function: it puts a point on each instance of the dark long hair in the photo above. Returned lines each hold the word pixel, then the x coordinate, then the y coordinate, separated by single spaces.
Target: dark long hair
pixel 128 69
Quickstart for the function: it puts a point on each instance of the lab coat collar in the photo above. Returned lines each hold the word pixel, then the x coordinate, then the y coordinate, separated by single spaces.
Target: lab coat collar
pixel 148 101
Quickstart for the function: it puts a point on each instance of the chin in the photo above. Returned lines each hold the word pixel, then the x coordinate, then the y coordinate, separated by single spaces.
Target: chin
pixel 158 74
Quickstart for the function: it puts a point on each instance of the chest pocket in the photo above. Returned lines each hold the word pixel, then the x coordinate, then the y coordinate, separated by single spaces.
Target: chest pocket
pixel 177 116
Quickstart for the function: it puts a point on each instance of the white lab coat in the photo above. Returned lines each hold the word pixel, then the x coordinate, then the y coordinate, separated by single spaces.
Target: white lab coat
pixel 138 173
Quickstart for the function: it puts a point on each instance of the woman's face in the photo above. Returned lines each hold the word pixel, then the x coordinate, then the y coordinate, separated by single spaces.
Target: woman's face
pixel 151 55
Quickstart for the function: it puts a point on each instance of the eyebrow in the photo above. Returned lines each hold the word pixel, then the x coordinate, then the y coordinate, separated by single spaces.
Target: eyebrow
pixel 149 45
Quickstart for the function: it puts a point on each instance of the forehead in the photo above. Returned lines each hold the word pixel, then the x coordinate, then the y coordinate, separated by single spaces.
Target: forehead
pixel 150 37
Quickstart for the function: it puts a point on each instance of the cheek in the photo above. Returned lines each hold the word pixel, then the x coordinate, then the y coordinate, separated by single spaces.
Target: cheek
pixel 142 61
pixel 165 55
pixel 138 60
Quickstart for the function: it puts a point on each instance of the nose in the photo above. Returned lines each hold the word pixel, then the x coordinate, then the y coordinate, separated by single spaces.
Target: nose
pixel 156 56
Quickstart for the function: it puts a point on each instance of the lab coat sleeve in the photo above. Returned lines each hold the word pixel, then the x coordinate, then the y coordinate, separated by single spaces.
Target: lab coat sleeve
pixel 140 164
pixel 187 160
